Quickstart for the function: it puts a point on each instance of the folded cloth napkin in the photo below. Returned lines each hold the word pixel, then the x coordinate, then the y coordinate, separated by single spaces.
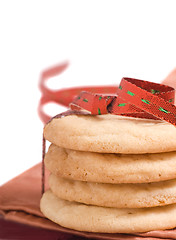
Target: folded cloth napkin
pixel 20 198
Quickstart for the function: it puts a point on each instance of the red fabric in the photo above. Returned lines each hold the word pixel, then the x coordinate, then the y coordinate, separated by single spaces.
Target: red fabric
pixel 19 202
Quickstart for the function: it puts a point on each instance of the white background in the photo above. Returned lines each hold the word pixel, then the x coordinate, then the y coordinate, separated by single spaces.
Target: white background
pixel 103 41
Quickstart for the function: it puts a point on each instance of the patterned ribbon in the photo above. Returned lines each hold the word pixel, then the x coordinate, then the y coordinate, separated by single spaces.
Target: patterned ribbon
pixel 133 97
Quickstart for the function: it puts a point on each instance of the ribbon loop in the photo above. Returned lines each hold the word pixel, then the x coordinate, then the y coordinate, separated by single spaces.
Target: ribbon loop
pixel 63 96
pixel 135 98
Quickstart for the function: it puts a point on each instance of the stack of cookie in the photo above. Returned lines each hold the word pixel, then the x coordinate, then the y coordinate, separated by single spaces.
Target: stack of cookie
pixel 110 173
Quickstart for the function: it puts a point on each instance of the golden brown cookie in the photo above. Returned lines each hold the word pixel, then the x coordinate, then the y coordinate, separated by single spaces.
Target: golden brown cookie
pixel 111 168
pixel 111 134
pixel 82 217
pixel 139 195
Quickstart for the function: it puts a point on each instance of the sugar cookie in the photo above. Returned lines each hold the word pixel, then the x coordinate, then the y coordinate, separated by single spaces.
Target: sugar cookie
pixel 82 217
pixel 111 134
pixel 111 168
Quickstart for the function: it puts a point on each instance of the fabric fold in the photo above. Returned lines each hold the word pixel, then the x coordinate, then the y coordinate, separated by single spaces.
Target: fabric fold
pixel 19 202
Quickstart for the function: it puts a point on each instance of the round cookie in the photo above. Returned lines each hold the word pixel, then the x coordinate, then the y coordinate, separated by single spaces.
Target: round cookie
pixel 111 134
pixel 107 220
pixel 110 168
pixel 115 195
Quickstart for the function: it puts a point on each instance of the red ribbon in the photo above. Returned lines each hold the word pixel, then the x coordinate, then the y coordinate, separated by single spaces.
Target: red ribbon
pixel 63 96
pixel 133 97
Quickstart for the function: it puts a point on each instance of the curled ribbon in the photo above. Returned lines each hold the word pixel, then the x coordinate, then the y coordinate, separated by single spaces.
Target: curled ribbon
pixel 63 96
pixel 133 97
